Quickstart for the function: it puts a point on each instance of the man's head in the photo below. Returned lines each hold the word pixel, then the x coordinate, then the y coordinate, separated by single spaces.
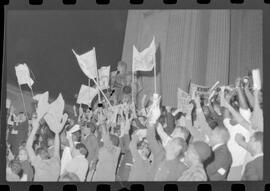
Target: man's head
pixel 206 110
pixel 79 149
pixel 88 128
pixel 21 117
pixel 197 152
pixel 23 155
pixel 220 135
pixel 175 148
pixel 255 144
pixel 42 153
pixel 15 166
pixel 180 132
pixel 122 67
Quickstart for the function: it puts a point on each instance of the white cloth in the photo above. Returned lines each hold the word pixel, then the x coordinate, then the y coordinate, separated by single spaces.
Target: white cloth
pixel 79 166
pixel 66 158
pixel 246 114
pixel 238 152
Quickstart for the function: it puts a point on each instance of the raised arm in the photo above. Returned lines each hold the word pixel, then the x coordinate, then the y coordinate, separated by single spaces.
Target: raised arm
pixel 195 133
pixel 250 96
pixel 201 118
pixel 30 140
pixel 257 122
pixel 237 116
pixel 242 99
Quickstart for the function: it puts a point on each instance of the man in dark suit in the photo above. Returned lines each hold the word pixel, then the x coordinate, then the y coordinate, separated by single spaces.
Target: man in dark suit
pixel 254 168
pixel 220 165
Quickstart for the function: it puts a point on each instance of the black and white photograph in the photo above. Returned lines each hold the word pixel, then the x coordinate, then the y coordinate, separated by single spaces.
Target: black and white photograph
pixel 134 95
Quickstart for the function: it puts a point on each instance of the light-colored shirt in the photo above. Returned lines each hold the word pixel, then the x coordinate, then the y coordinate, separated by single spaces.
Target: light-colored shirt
pixel 238 152
pixel 79 166
pixel 66 158
pixel 46 170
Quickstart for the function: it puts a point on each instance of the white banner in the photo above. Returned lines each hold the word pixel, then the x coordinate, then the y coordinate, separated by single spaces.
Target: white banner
pixel 86 95
pixel 23 75
pixel 145 60
pixel 88 63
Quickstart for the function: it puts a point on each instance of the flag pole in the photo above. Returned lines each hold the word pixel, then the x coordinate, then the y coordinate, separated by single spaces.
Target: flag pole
pixel 99 101
pixel 132 85
pixel 102 92
pixel 89 90
pixel 155 73
pixel 23 103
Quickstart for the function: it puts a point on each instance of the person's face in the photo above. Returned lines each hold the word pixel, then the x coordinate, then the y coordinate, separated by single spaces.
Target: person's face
pixel 44 155
pixel 40 139
pixel 85 131
pixel 50 142
pixel 121 69
pixel 16 168
pixel 22 155
pixel 214 138
pixel 206 110
pixel 172 148
pixel 252 145
pixel 178 133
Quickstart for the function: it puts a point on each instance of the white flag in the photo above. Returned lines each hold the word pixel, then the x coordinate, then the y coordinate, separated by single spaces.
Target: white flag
pixel 145 60
pixel 257 84
pixel 23 75
pixel 86 95
pixel 104 77
pixel 88 63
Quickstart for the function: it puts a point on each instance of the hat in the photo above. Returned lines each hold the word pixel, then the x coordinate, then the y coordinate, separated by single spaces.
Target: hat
pixel 203 150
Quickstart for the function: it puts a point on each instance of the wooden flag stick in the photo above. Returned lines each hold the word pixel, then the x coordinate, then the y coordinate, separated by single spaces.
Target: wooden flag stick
pixel 23 103
pixel 102 92
pixel 132 86
pixel 99 101
pixel 89 90
pixel 155 73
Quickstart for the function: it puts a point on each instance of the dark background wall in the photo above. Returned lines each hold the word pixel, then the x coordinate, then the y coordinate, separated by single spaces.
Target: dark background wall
pixel 44 39
pixel 204 46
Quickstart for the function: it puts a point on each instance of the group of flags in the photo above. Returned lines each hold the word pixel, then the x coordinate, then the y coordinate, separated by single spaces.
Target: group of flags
pixel 141 61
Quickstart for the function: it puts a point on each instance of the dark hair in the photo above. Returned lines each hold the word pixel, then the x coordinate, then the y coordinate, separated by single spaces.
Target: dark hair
pixel 41 150
pixel 258 137
pixel 82 148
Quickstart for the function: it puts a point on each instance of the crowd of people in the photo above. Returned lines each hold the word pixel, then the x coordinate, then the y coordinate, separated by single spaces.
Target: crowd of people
pixel 216 140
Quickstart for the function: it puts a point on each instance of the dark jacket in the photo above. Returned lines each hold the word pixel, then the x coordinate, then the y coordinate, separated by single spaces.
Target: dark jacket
pixel 254 170
pixel 219 167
